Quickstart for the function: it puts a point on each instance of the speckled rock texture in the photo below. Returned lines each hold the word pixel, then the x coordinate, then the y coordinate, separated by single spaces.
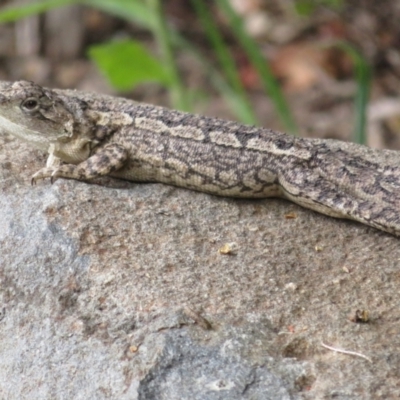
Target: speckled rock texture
pixel 119 291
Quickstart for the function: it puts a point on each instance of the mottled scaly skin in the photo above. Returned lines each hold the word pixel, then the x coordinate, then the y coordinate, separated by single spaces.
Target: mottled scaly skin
pixel 89 135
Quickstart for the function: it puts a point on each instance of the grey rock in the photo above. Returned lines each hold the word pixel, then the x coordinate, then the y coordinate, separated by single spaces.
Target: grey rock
pixel 101 285
pixel 188 371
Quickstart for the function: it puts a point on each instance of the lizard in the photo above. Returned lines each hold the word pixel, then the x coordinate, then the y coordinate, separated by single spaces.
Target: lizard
pixel 90 135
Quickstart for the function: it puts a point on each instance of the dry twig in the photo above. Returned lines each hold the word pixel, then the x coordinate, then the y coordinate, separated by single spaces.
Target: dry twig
pixel 351 353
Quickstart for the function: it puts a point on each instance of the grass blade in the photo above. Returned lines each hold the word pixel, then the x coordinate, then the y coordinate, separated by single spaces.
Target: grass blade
pixel 363 76
pixel 225 59
pixel 162 35
pixel 11 14
pixel 271 86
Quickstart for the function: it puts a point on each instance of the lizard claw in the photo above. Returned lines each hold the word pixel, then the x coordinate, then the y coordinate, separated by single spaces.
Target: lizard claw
pixel 53 178
pixel 44 173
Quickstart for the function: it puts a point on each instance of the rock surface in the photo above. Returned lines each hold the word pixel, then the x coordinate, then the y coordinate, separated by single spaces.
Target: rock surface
pixel 109 292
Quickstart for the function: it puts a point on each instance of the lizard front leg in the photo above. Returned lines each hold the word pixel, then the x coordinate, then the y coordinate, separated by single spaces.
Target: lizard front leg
pixel 108 159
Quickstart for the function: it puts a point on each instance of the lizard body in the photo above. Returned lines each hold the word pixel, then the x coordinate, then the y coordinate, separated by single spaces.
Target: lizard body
pixel 88 135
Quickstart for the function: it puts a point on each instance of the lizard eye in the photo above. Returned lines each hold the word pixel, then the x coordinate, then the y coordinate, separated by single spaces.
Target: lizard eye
pixel 30 104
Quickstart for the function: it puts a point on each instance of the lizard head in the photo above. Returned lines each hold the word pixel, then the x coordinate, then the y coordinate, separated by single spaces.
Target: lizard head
pixel 34 114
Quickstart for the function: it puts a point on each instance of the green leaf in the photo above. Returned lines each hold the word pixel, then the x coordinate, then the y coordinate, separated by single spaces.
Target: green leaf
pixel 127 63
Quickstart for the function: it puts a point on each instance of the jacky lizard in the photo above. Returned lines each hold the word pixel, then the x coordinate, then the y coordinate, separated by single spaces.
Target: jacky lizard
pixel 90 135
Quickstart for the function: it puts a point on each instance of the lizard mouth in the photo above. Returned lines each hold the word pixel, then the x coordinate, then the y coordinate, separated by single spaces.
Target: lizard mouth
pixel 27 135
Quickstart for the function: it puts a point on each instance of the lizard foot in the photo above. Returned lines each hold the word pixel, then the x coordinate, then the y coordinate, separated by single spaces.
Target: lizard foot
pixel 43 173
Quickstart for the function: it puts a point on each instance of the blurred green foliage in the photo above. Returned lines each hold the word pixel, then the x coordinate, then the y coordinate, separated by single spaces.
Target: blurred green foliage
pixel 134 60
pixel 307 7
pixel 126 63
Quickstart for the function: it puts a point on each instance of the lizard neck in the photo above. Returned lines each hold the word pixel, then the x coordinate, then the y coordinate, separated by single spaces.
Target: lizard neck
pixel 105 124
